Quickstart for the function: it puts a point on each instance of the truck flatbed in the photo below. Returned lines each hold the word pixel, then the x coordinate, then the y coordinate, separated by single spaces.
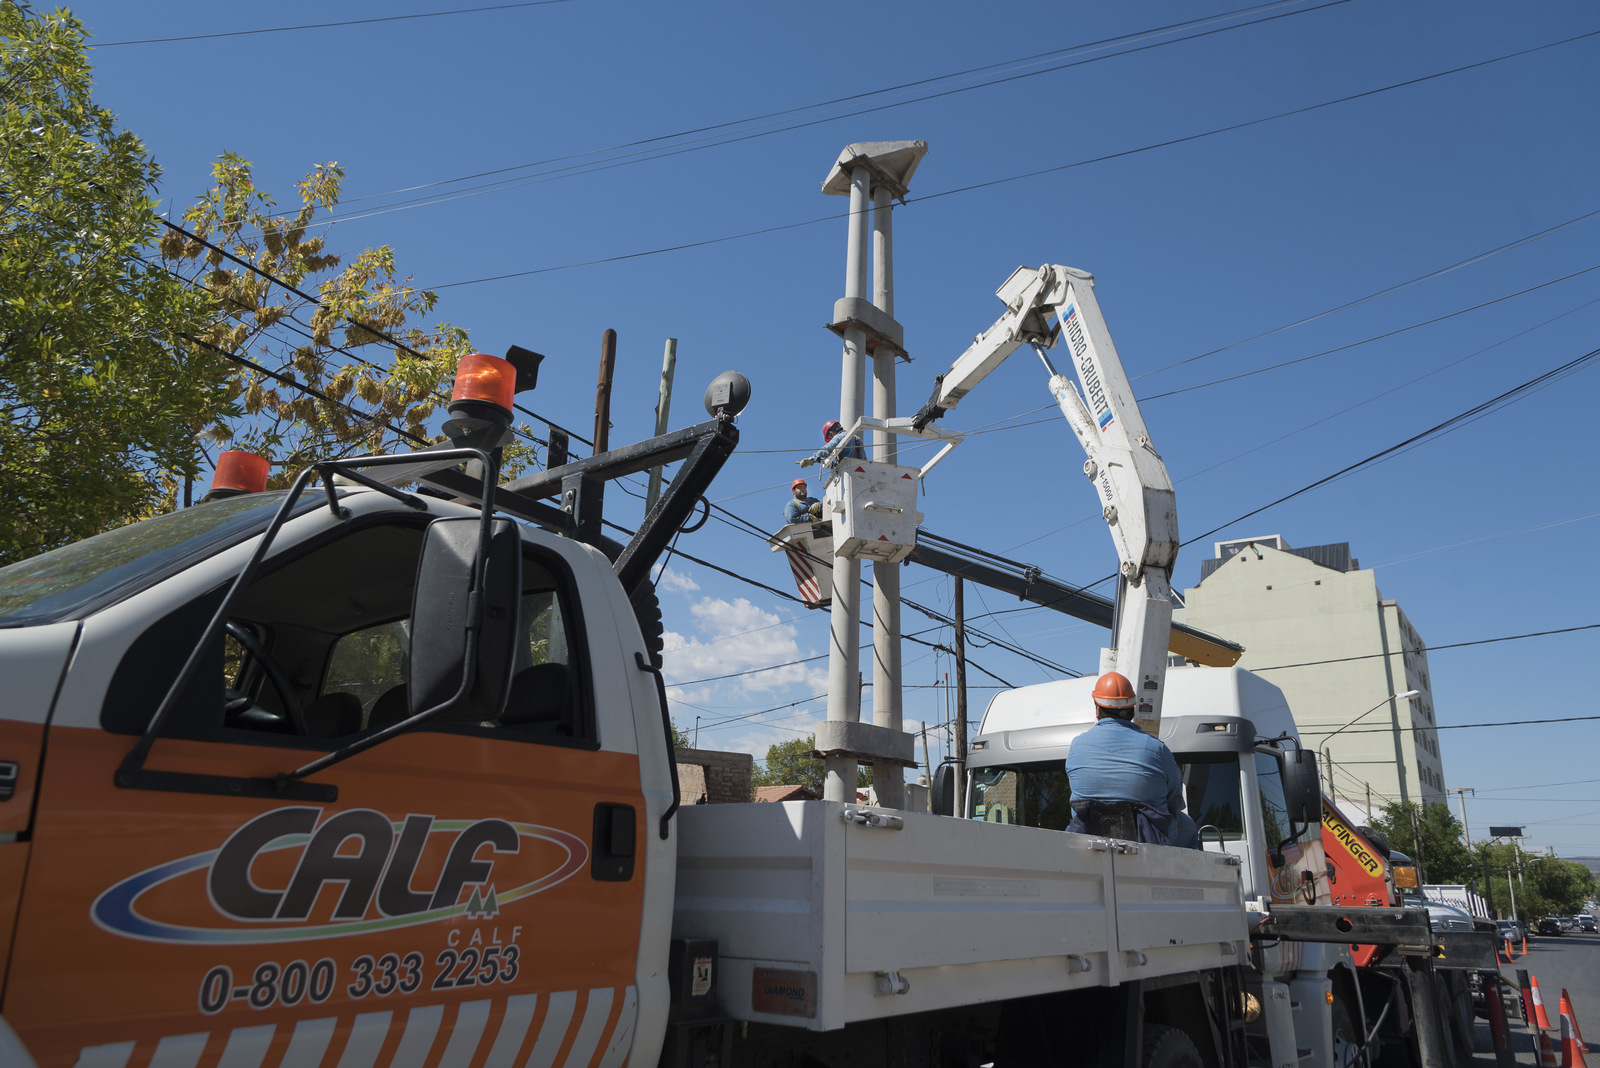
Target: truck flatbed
pixel 822 920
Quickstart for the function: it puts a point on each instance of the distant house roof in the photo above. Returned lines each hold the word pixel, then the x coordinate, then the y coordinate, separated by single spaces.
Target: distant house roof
pixel 786 793
pixel 1335 556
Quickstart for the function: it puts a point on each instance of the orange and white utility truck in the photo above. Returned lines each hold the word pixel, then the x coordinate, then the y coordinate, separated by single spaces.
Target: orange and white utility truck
pixel 352 775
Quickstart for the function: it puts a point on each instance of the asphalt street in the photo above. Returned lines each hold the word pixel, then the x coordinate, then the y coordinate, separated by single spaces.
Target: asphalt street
pixel 1571 962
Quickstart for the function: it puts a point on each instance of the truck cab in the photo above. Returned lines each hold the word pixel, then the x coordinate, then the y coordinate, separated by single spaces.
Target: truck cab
pixel 493 876
pixel 1226 728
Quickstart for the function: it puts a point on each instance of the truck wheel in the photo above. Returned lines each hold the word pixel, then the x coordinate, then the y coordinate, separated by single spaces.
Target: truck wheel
pixel 1346 1036
pixel 1168 1047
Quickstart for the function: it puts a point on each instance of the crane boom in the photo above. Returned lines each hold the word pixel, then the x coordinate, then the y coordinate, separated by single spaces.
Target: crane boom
pixel 1043 306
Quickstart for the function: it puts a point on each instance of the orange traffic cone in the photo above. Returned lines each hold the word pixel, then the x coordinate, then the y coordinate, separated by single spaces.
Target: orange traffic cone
pixel 1571 1042
pixel 1541 1019
pixel 1566 1007
pixel 1510 956
pixel 1547 1053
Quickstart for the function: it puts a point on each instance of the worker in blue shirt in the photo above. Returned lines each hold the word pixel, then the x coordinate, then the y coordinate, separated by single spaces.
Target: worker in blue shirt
pixel 1117 764
pixel 801 508
pixel 830 430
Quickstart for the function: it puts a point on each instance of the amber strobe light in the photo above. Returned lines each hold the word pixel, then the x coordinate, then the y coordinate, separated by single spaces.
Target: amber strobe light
pixel 238 472
pixel 485 380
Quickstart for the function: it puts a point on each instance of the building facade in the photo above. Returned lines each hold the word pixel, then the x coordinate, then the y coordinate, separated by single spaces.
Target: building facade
pixel 1317 626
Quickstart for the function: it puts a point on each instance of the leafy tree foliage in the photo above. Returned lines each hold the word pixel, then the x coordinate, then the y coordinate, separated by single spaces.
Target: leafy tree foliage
pixel 1431 836
pixel 99 393
pixel 346 372
pixel 1543 886
pixel 791 764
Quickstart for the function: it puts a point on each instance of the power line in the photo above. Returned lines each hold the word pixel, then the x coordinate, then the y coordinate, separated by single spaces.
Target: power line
pixel 764 128
pixel 1022 176
pixel 1454 726
pixel 1368 340
pixel 1469 261
pixel 369 328
pixel 1433 648
pixel 1508 396
pixel 329 25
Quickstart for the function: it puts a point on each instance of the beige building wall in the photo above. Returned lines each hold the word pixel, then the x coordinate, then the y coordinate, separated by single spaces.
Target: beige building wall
pixel 1336 648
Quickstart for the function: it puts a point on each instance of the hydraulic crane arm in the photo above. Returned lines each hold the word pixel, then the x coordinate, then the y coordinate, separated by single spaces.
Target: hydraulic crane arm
pixel 1044 305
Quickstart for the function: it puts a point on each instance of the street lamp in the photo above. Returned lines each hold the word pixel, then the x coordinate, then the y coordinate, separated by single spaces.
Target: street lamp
pixel 1328 756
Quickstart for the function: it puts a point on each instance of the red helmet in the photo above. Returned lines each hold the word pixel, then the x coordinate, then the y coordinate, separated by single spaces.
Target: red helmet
pixel 798 483
pixel 1113 690
pixel 827 428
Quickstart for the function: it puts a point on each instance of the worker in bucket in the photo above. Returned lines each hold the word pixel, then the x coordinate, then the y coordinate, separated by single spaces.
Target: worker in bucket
pixel 801 508
pixel 830 430
pixel 1125 782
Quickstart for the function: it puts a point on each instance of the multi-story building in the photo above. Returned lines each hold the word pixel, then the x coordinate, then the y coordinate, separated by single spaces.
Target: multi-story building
pixel 1317 626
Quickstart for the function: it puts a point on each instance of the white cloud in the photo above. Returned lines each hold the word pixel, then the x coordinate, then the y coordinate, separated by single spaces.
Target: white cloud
pixel 675 582
pixel 734 637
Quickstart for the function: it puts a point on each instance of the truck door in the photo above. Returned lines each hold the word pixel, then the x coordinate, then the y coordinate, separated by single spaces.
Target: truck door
pixel 468 898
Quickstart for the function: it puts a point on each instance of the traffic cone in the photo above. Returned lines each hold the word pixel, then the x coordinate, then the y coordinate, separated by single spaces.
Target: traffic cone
pixel 1510 956
pixel 1571 1042
pixel 1541 1019
pixel 1547 1053
pixel 1566 1007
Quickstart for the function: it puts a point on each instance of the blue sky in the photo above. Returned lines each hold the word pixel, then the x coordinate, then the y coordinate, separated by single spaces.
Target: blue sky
pixel 1198 246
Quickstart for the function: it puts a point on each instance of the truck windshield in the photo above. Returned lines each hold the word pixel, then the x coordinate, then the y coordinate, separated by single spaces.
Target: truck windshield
pixel 77 579
pixel 1211 794
pixel 1034 795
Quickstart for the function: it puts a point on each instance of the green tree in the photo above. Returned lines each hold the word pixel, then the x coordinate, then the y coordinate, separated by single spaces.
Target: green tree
pixel 100 395
pixel 313 378
pixel 791 764
pixel 680 740
pixel 1431 837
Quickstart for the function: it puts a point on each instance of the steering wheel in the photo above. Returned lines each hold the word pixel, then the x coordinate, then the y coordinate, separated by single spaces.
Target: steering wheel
pixel 275 675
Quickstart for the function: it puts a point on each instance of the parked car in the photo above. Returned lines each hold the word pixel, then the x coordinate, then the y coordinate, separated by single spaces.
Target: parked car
pixel 1551 925
pixel 1568 923
pixel 1512 929
pixel 1587 923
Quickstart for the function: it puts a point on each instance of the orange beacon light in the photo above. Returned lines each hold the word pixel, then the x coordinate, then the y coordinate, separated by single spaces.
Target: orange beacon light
pixel 236 473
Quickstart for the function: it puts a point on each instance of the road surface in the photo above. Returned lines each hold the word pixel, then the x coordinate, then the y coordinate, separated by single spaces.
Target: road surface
pixel 1571 962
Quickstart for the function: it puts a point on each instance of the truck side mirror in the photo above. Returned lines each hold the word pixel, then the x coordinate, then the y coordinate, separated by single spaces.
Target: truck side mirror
pixel 440 605
pixel 1302 787
pixel 942 797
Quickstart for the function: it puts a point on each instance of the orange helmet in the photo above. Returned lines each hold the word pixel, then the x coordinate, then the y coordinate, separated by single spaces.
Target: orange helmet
pixel 798 483
pixel 1113 691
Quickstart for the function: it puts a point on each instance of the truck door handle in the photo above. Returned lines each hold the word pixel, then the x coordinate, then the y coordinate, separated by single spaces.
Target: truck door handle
pixel 615 834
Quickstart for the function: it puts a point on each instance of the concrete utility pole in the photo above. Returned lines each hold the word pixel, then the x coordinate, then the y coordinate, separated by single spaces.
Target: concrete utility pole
pixel 871 175
pixel 669 362
pixel 844 704
pixel 886 694
pixel 1461 793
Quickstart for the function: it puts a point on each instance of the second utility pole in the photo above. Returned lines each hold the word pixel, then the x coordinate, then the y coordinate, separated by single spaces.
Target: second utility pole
pixel 602 392
pixel 961 702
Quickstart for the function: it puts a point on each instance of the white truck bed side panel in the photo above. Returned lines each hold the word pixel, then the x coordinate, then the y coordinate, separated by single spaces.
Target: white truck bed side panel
pixel 943 892
pixel 1180 912
pixel 963 912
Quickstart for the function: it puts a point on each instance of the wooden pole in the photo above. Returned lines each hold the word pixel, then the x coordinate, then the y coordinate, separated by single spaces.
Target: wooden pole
pixel 602 393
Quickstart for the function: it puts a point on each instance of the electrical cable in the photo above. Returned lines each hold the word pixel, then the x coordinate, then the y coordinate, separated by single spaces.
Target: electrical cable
pixel 1022 176
pixel 1368 340
pixel 764 128
pixel 1454 726
pixel 1469 261
pixel 1509 396
pixel 397 343
pixel 328 25
pixel 1432 648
